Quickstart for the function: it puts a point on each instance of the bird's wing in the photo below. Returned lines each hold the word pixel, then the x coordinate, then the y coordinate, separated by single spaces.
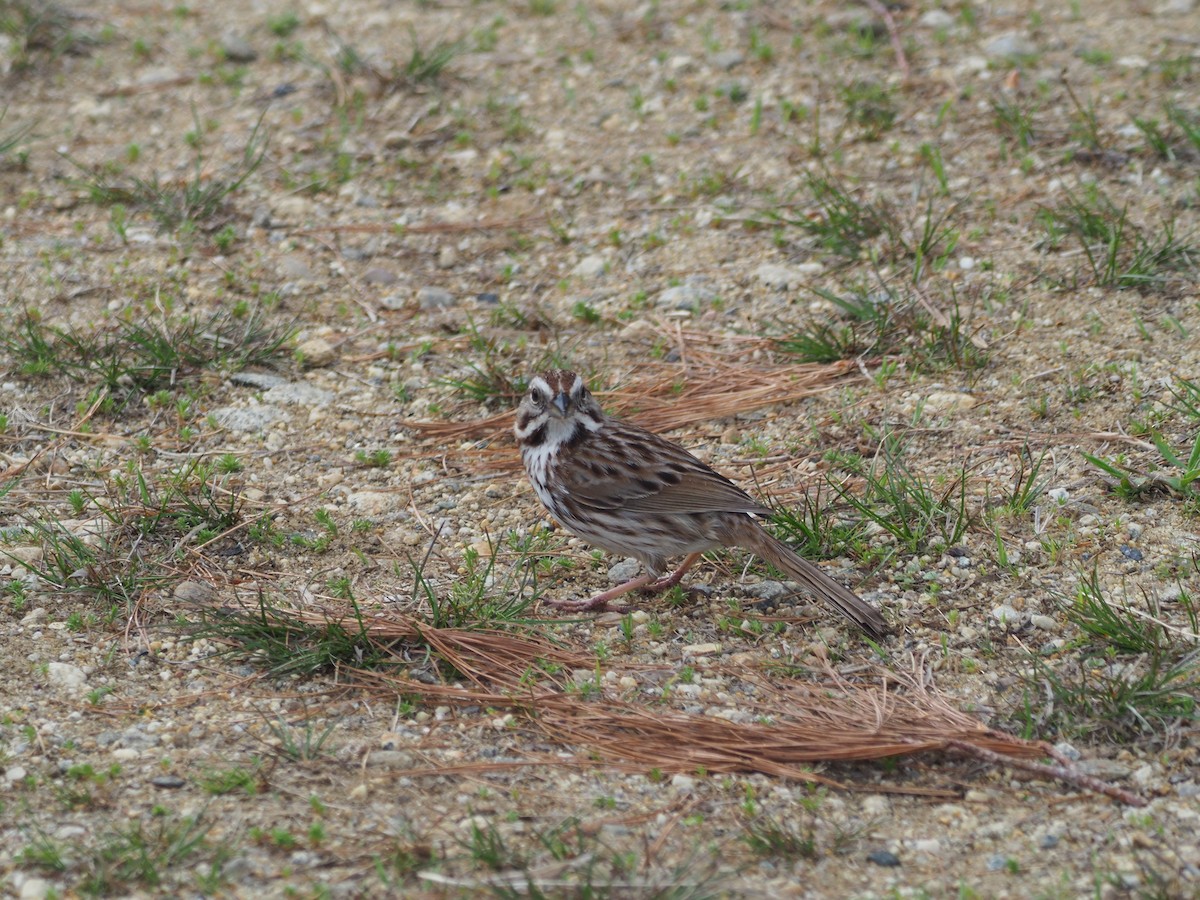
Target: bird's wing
pixel 611 475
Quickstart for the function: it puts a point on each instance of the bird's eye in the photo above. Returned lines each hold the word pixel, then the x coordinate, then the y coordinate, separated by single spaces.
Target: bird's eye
pixel 535 394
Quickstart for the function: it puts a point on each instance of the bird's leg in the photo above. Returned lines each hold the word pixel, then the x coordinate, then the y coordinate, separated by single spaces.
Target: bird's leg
pixel 669 581
pixel 646 583
pixel 600 603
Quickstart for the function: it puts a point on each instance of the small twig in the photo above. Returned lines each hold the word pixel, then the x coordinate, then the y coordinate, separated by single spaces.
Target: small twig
pixel 424 227
pixel 1063 772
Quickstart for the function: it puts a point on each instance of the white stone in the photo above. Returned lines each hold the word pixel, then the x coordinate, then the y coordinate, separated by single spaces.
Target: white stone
pixel 777 277
pixel 1006 615
pixel 65 675
pixel 1008 45
pixel 15 773
pixel 590 266
pixel 949 401
pixel 35 889
pixel 683 784
pixel 315 353
pixel 935 19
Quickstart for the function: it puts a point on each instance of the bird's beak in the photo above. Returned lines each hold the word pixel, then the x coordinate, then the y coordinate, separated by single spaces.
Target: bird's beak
pixel 562 401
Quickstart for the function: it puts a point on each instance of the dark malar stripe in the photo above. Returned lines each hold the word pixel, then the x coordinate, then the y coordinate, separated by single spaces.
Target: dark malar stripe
pixel 577 436
pixel 536 438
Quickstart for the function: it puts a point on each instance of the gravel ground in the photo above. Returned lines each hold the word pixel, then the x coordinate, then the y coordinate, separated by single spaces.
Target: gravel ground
pixel 635 191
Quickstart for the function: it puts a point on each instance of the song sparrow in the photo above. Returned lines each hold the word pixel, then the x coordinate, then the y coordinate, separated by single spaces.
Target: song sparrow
pixel 629 491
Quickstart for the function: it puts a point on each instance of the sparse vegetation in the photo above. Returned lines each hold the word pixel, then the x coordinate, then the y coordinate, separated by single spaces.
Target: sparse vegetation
pixel 142 354
pixel 919 279
pixel 183 205
pixel 1131 677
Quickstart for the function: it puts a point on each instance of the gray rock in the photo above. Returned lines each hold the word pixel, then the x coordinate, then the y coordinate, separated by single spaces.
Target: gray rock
pixel 298 393
pixel 430 297
pixel 1188 790
pixel 728 59
pixel 935 19
pixel 294 267
pixel 1006 615
pixel 392 759
pixel 689 295
pixel 136 738
pixel 767 590
pixel 194 592
pixel 293 208
pixel 777 277
pixel 394 301
pixel 34 616
pixel 380 275
pixel 65 675
pixel 260 380
pixel 1009 45
pixel 592 266
pixel 884 858
pixel 623 571
pixel 248 418
pixel 237 49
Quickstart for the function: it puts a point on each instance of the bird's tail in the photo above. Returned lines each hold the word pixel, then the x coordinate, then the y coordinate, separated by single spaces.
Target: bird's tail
pixel 756 539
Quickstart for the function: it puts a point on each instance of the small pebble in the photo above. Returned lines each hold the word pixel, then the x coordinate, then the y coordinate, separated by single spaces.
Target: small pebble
pixel 380 275
pixel 935 19
pixel 294 268
pixel 65 675
pixel 625 570
pixel 592 266
pixel 1006 615
pixel 237 49
pixel 1009 46
pixel 883 858
pixel 315 353
pixel 728 59
pixel 430 297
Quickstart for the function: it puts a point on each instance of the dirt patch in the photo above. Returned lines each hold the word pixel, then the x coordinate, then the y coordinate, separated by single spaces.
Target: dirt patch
pixel 272 280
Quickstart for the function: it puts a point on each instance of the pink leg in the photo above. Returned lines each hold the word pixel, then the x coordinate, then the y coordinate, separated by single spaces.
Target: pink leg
pixel 599 603
pixel 669 581
pixel 644 583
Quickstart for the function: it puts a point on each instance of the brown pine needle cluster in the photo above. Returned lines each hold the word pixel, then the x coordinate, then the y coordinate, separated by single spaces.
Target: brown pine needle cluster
pixel 796 725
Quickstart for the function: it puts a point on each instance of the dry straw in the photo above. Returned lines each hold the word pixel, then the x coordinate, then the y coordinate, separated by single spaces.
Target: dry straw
pixel 796 724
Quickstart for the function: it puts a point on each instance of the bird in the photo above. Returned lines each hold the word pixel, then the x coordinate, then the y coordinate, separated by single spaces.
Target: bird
pixel 629 491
